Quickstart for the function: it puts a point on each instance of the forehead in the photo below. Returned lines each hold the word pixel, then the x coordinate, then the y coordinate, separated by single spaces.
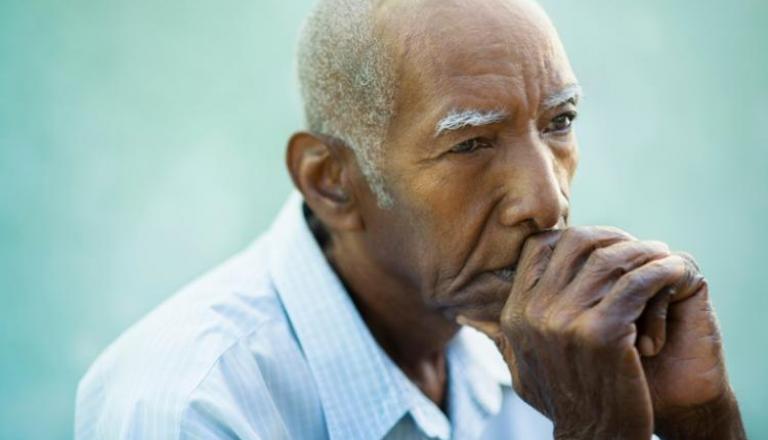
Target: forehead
pixel 490 52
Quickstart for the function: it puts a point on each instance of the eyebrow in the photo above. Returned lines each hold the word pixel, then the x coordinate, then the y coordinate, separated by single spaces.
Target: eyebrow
pixel 458 119
pixel 571 93
pixel 463 118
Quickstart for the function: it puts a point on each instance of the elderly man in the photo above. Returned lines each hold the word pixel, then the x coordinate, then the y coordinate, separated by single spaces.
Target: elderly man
pixel 433 190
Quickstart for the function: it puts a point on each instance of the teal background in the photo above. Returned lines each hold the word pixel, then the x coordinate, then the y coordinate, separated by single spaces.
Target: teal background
pixel 141 143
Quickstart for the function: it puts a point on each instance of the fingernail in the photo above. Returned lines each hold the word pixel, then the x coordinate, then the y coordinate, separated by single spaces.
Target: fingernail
pixel 646 346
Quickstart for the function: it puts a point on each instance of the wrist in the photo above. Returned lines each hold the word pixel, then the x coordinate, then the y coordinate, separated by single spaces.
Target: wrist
pixel 592 431
pixel 719 419
pixel 583 433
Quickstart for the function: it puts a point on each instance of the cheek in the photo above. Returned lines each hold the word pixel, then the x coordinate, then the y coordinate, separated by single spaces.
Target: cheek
pixel 566 160
pixel 448 216
pixel 567 169
pixel 570 161
pixel 440 213
pixel 402 242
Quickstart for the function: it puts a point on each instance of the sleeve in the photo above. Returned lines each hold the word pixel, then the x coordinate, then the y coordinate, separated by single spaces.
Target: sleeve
pixel 233 402
pixel 230 401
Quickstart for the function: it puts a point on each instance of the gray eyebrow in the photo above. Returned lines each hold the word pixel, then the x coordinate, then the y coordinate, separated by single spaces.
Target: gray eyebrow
pixel 571 93
pixel 458 119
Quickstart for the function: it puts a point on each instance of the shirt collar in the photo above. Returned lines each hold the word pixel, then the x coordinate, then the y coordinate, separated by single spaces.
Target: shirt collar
pixel 477 370
pixel 362 391
pixel 358 394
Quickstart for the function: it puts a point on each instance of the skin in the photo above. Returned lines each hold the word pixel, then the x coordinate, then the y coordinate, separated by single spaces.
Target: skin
pixel 600 345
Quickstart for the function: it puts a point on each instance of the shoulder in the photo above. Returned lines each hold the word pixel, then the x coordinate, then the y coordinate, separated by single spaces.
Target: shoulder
pixel 218 343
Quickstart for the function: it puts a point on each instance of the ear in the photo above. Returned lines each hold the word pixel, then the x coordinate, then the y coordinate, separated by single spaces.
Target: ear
pixel 322 169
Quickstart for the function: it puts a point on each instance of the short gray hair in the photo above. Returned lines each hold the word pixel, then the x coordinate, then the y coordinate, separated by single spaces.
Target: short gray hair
pixel 347 82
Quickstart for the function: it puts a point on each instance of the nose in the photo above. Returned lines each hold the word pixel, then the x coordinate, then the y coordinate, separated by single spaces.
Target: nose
pixel 535 194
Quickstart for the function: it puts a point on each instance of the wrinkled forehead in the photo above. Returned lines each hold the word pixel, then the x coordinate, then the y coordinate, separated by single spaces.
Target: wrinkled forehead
pixel 474 47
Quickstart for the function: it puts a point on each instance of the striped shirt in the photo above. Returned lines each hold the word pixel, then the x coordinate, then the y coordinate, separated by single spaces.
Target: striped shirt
pixel 270 346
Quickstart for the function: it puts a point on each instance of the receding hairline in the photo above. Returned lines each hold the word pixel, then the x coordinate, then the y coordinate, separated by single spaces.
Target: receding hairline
pixel 353 56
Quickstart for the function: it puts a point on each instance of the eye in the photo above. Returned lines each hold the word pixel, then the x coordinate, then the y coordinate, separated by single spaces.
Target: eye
pixel 561 124
pixel 470 146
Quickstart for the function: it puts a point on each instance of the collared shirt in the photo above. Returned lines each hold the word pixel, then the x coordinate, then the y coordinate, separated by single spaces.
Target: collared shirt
pixel 270 346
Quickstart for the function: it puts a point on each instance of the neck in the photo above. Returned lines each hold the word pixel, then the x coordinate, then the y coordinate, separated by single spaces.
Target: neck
pixel 413 336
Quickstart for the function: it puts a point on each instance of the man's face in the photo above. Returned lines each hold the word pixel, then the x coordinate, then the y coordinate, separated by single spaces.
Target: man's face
pixel 480 154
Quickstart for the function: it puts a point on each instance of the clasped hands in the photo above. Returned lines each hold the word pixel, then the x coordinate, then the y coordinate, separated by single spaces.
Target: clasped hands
pixel 614 338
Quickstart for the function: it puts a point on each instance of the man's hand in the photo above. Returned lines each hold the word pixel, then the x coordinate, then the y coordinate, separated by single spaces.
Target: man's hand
pixel 687 378
pixel 588 340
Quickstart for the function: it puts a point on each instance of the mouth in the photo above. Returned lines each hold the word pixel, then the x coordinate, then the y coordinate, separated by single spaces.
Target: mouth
pixel 506 273
pixel 486 296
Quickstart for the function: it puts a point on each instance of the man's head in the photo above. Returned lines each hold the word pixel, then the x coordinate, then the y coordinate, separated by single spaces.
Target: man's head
pixel 348 82
pixel 458 116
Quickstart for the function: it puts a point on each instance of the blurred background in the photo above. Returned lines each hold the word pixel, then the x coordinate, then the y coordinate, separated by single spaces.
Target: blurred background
pixel 141 143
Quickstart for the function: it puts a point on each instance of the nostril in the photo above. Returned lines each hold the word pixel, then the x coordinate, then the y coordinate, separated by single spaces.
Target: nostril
pixel 548 216
pixel 542 212
pixel 536 195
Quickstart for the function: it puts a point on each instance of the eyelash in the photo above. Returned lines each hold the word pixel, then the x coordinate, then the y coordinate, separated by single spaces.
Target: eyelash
pixel 471 145
pixel 570 116
pixel 460 148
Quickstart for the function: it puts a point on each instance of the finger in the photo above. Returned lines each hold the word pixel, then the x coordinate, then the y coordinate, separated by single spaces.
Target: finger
pixel 607 265
pixel 629 295
pixel 690 282
pixel 652 325
pixel 533 261
pixel 573 249
pixel 691 321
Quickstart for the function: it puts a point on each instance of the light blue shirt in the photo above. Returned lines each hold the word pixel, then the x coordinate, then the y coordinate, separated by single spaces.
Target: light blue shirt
pixel 270 346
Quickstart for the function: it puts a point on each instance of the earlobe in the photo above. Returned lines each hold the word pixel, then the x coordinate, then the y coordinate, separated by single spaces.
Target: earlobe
pixel 320 171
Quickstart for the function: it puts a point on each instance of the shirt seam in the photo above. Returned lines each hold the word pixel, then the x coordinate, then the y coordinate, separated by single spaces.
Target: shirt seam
pixel 210 369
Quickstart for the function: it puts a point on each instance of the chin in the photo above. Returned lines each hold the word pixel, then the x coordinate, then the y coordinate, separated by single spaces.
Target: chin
pixel 483 299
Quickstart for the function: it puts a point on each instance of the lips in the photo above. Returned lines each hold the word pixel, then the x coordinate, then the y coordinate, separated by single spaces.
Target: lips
pixel 484 297
pixel 506 273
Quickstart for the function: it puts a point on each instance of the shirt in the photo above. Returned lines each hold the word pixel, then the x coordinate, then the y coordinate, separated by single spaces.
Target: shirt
pixel 270 346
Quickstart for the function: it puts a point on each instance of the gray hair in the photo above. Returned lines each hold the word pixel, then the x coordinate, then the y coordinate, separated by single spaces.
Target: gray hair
pixel 347 82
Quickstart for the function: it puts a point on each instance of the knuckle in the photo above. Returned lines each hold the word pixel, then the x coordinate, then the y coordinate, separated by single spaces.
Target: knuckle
pixel 658 247
pixel 575 234
pixel 535 314
pixel 559 325
pixel 510 319
pixel 634 281
pixel 689 260
pixel 674 265
pixel 593 334
pixel 600 259
pixel 517 321
pixel 536 244
pixel 578 237
pixel 611 232
pixel 594 235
